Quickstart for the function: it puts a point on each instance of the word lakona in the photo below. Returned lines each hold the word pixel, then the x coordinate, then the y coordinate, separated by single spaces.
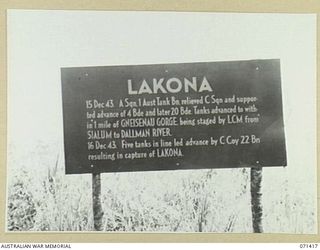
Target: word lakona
pixel 171 85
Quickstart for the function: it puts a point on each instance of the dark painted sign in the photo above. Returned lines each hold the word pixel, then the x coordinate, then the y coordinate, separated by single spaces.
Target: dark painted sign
pixel 173 116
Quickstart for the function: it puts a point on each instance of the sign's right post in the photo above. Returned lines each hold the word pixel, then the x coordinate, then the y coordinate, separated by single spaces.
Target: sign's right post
pixel 255 190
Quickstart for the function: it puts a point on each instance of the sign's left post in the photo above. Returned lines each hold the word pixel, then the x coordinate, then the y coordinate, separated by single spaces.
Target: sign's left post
pixel 96 202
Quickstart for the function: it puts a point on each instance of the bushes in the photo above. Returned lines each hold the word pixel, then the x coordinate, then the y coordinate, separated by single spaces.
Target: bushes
pixel 21 209
pixel 42 198
pixel 158 201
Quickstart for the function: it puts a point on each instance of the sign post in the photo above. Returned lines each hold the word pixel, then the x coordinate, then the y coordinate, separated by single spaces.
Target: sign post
pixel 256 207
pixel 174 117
pixel 96 202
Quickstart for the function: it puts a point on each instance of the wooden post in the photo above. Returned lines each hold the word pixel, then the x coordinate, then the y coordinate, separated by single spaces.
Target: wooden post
pixel 256 207
pixel 96 202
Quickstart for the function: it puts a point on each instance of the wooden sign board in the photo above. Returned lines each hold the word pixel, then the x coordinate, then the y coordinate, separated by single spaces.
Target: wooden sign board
pixel 173 116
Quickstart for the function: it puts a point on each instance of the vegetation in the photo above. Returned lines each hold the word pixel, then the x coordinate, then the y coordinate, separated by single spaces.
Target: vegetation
pixel 42 198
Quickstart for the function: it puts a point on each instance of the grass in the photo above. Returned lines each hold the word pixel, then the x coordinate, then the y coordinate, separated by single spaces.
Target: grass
pixel 42 198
